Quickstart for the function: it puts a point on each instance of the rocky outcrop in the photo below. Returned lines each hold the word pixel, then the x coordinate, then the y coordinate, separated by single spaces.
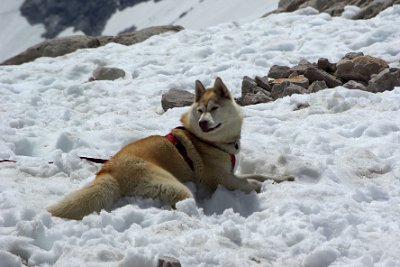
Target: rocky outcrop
pixel 64 45
pixel 368 8
pixel 89 16
pixel 355 70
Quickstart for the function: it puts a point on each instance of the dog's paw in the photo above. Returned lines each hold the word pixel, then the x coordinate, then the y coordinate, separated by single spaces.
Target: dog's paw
pixel 255 185
pixel 289 178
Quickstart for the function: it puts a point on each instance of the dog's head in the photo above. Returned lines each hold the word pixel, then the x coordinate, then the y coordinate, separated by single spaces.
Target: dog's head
pixel 214 116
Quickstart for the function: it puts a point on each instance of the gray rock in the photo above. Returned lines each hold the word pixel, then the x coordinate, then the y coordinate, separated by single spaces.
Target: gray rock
pixel 385 80
pixel 286 89
pixel 105 73
pixel 314 74
pixel 64 45
pixel 250 87
pixel 360 68
pixel 263 82
pixel 176 98
pixel 252 99
pixel 317 86
pixel 355 85
pixel 167 261
pixel 277 72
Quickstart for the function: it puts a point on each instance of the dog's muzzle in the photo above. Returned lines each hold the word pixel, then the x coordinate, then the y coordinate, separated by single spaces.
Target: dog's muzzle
pixel 205 126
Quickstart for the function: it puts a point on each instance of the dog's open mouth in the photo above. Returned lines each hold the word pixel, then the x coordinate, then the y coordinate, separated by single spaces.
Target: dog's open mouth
pixel 207 129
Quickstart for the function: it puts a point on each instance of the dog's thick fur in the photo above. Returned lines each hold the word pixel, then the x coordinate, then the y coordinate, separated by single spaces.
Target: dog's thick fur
pixel 154 168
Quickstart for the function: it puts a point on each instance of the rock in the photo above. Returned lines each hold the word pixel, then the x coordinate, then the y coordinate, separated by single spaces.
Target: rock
pixel 324 64
pixel 252 99
pixel 317 86
pixel 286 88
pixel 385 80
pixel 64 45
pixel 374 8
pixel 250 87
pixel 176 98
pixel 263 82
pixel 369 8
pixel 277 72
pixel 166 261
pixel 299 80
pixel 54 48
pixel 353 55
pixel 131 38
pixel 355 85
pixel 314 74
pixel 359 68
pixel 105 73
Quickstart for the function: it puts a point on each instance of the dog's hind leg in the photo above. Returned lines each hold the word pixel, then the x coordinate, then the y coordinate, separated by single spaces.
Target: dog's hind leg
pixel 158 183
pixel 102 193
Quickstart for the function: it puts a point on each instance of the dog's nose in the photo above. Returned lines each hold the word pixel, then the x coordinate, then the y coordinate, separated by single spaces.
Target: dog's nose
pixel 203 125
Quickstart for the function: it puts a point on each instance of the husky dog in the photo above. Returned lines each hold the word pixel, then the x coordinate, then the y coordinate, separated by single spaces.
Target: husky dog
pixel 202 151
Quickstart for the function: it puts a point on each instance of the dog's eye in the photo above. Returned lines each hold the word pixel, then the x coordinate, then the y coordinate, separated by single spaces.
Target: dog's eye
pixel 214 108
pixel 200 110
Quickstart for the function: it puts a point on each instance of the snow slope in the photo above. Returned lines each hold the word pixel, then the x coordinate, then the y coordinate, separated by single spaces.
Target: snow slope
pixel 344 148
pixel 18 34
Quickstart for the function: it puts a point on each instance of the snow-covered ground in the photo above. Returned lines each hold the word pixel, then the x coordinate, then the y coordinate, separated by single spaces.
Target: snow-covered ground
pixel 343 209
pixel 16 34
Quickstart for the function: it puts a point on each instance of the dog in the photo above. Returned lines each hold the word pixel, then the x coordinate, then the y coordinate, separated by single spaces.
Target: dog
pixel 202 151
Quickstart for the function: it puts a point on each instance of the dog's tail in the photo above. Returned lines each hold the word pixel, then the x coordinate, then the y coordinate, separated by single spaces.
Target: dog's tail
pixel 102 193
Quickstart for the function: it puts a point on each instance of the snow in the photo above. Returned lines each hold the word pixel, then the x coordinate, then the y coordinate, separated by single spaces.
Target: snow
pixel 192 14
pixel 344 150
pixel 16 33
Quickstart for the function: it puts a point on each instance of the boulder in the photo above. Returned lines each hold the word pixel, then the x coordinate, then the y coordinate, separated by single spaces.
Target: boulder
pixel 252 99
pixel 360 68
pixel 263 83
pixel 277 72
pixel 286 88
pixel 167 261
pixel 317 86
pixel 250 87
pixel 355 85
pixel 176 98
pixel 385 80
pixel 324 64
pixel 105 73
pixel 315 74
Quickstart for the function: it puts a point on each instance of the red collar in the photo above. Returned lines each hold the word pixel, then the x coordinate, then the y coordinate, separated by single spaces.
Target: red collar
pixel 183 152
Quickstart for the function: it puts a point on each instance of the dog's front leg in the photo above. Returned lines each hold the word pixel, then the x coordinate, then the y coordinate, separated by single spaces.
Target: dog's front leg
pixel 234 182
pixel 262 178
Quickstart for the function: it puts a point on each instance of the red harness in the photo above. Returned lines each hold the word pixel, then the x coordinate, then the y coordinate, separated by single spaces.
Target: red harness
pixel 184 154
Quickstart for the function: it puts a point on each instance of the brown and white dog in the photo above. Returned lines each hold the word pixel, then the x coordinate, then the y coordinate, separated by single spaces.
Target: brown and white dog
pixel 202 151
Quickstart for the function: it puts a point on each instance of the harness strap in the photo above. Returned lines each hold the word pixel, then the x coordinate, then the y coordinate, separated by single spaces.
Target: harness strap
pixel 181 149
pixel 183 152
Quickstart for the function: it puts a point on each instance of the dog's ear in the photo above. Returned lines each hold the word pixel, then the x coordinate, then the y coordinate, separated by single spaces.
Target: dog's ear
pixel 221 89
pixel 200 89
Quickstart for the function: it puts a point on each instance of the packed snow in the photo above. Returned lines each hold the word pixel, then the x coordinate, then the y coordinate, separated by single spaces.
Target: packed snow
pixel 344 149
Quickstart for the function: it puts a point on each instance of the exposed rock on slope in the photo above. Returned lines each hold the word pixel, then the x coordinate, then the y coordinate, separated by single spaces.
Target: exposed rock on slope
pixel 89 16
pixel 64 45
pixel 368 8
